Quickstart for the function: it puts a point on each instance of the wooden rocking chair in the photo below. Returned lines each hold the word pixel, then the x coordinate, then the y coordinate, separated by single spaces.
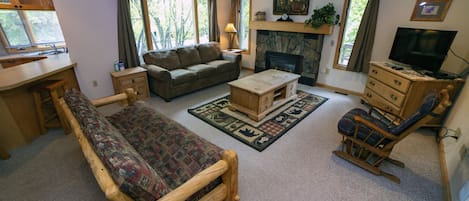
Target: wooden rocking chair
pixel 367 140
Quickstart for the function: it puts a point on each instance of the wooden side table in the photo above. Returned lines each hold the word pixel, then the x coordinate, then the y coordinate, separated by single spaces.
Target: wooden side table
pixel 135 78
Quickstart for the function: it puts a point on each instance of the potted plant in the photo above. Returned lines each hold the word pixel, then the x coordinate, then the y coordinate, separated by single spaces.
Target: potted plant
pixel 324 15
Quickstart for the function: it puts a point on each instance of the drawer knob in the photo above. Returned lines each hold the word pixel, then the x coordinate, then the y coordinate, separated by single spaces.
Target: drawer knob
pixel 397 82
pixel 372 83
pixel 368 95
pixel 374 71
pixel 393 97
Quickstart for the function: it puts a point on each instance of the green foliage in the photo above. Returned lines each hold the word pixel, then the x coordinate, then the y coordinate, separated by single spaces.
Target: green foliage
pixel 324 15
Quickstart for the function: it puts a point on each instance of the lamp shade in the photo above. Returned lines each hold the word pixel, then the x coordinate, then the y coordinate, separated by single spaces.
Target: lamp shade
pixel 230 28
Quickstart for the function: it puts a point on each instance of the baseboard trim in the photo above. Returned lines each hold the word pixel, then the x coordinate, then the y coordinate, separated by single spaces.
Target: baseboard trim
pixel 444 172
pixel 340 90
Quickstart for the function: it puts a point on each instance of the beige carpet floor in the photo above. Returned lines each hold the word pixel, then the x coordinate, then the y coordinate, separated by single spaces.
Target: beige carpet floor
pixel 300 166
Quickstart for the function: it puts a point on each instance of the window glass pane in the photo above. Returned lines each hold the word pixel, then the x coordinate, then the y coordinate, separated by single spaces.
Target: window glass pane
pixel 354 17
pixel 44 26
pixel 171 23
pixel 244 24
pixel 202 16
pixel 138 26
pixel 13 28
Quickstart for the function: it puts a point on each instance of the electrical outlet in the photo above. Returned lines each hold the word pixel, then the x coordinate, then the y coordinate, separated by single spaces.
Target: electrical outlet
pixel 95 83
pixel 457 133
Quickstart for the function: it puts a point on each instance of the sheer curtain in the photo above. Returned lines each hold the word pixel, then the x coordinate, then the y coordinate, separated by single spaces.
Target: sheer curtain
pixel 214 30
pixel 363 46
pixel 125 35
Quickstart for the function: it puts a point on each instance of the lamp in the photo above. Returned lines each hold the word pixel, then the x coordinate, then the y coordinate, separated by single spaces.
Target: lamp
pixel 231 30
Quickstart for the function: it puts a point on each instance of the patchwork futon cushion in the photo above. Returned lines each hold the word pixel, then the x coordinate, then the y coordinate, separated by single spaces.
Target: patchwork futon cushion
pixel 172 150
pixel 128 169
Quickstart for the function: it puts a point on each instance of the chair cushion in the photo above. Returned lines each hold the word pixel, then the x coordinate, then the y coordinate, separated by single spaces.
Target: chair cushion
pixel 431 100
pixel 130 171
pixel 347 125
pixel 222 65
pixel 168 59
pixel 180 76
pixel 188 56
pixel 203 70
pixel 209 52
pixel 176 153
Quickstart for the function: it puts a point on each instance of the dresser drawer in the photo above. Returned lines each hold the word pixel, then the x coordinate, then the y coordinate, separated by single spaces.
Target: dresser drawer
pixel 399 83
pixel 388 93
pixel 376 100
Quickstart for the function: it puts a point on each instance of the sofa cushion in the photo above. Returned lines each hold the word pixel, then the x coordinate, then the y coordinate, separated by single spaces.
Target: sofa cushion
pixel 182 76
pixel 168 59
pixel 222 66
pixel 188 56
pixel 209 52
pixel 203 70
pixel 129 170
pixel 176 153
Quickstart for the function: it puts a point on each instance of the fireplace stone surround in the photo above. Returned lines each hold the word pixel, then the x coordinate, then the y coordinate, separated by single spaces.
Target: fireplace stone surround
pixel 306 45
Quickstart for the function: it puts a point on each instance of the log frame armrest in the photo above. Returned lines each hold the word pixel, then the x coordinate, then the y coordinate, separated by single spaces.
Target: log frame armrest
pixel 226 168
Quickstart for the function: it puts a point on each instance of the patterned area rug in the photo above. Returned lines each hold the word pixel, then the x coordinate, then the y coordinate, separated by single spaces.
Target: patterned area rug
pixel 258 135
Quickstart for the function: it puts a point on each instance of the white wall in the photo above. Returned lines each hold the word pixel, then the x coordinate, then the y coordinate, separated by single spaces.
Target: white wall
pixel 90 31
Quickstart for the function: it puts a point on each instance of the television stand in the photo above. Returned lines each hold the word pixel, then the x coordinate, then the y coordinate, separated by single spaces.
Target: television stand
pixel 441 75
pixel 400 92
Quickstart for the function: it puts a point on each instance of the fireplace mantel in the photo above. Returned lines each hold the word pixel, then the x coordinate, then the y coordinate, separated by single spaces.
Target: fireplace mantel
pixel 290 27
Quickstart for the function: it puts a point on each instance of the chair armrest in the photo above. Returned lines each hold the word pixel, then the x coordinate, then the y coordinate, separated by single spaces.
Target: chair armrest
pixel 129 97
pixel 232 57
pixel 158 72
pixel 367 123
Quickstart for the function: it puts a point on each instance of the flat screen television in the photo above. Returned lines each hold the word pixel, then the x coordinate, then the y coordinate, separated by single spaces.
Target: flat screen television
pixel 422 49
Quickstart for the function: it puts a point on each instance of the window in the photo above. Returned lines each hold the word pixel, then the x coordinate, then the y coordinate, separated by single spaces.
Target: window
pixel 29 30
pixel 166 24
pixel 352 17
pixel 243 33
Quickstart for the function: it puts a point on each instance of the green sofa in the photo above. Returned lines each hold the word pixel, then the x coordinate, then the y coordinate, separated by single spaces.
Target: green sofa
pixel 178 71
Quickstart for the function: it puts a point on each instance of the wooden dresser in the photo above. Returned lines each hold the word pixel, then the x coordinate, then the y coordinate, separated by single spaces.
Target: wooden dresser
pixel 135 78
pixel 400 92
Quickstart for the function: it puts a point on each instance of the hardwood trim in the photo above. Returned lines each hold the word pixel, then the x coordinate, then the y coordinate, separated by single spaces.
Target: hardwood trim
pixel 290 27
pixel 4 154
pixel 340 90
pixel 444 172
pixel 341 34
pixel 196 21
pixel 146 23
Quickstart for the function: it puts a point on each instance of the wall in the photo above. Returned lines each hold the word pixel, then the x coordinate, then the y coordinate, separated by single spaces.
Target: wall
pixel 90 31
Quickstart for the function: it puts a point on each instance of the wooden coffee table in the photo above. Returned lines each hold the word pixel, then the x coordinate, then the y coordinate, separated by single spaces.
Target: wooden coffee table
pixel 257 95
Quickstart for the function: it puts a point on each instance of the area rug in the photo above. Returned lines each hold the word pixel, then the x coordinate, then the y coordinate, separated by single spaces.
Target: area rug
pixel 258 135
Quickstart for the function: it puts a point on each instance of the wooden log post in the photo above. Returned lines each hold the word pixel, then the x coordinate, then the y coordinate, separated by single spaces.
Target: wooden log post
pixel 230 177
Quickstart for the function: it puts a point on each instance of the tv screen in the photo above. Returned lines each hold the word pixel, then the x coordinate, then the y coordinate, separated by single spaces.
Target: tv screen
pixel 422 49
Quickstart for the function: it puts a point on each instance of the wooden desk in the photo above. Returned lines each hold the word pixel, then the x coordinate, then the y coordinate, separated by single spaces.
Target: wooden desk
pixel 257 95
pixel 18 121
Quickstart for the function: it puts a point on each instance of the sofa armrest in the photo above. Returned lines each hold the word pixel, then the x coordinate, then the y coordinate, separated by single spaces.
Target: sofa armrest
pixel 158 72
pixel 232 57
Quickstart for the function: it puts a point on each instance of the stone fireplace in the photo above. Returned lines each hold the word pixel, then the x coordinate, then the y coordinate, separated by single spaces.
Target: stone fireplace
pixel 286 49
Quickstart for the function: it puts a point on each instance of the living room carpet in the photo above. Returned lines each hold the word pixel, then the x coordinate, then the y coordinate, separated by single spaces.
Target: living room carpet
pixel 258 135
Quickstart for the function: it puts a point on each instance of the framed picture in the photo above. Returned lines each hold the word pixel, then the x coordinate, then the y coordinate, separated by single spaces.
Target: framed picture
pixel 291 7
pixel 430 10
